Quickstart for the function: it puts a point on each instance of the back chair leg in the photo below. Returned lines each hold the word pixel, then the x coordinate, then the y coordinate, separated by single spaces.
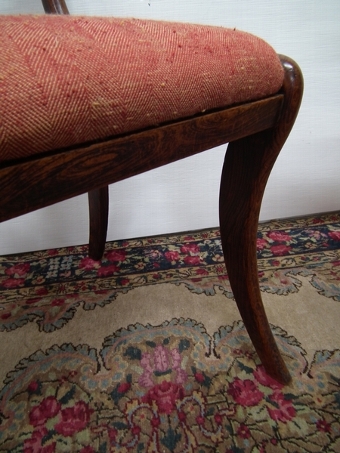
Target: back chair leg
pixel 247 166
pixel 99 213
pixel 99 198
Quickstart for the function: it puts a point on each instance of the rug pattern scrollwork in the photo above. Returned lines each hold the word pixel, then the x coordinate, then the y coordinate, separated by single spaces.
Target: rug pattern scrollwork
pixel 49 287
pixel 171 388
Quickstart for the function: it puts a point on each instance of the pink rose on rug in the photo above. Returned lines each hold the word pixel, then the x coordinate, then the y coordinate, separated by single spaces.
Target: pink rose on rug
pixel 34 386
pixel 190 248
pixel 47 409
pixel 261 244
pixel 20 269
pixel 280 249
pixel 264 379
pixel 162 360
pixel 165 395
pixel 13 282
pixel 172 256
pixel 124 387
pixel 105 271
pixel 245 392
pixel 88 264
pixel 58 302
pixel 5 316
pixel 279 237
pixel 244 431
pixel 74 419
pixel 324 426
pixel 285 410
pixel 334 235
pixel 116 255
pixel 192 260
pixel 202 272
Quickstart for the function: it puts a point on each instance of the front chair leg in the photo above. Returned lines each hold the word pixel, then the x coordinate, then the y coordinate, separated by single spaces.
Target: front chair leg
pixel 247 166
pixel 240 198
pixel 99 212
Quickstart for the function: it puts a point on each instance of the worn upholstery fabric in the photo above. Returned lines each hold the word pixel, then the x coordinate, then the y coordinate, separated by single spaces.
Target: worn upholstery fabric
pixel 67 80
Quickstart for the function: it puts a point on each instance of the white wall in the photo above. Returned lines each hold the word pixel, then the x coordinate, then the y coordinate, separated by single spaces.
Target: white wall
pixel 184 195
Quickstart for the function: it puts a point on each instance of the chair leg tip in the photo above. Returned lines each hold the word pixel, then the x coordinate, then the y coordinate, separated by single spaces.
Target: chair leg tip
pixel 282 375
pixel 96 255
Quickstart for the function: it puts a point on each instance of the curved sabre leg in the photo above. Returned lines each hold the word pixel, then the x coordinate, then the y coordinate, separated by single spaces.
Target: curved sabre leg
pixel 247 166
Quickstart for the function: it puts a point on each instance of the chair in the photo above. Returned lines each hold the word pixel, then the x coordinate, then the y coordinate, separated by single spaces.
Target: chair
pixel 176 90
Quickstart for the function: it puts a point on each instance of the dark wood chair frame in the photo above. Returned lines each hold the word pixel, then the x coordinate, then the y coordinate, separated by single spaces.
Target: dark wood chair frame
pixel 255 131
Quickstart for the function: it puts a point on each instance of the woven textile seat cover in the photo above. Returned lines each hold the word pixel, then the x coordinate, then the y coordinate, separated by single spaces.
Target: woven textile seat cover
pixel 68 80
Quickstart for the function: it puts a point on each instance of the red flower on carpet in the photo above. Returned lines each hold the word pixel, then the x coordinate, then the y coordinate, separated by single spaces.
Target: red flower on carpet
pixel 124 387
pixel 322 425
pixel 5 316
pixel 32 301
pixel 52 252
pixel 284 410
pixel 105 271
pixel 155 422
pixel 41 291
pixel 280 249
pixel 190 248
pixel 279 237
pixel 73 419
pixel 200 420
pixel 88 264
pixel 13 282
pixel 334 235
pixel 264 379
pixel 57 302
pixel 202 272
pixel 199 377
pixel 159 361
pixel 20 269
pixel 116 255
pixel 245 392
pixel 192 260
pixel 243 431
pixel 181 416
pixel 218 418
pixel 172 256
pixel 47 409
pixel 165 395
pixel 33 387
pixel 261 244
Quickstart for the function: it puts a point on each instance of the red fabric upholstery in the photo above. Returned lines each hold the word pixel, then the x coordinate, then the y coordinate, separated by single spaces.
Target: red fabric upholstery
pixel 67 80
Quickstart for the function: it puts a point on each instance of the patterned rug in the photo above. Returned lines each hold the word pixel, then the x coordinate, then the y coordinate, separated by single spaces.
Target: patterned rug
pixel 145 351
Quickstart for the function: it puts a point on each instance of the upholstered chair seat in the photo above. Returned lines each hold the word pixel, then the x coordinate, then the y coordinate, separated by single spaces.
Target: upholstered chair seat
pixel 71 80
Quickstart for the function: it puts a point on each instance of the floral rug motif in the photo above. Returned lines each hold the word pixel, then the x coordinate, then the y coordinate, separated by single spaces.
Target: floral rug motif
pixel 171 388
pixel 48 287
